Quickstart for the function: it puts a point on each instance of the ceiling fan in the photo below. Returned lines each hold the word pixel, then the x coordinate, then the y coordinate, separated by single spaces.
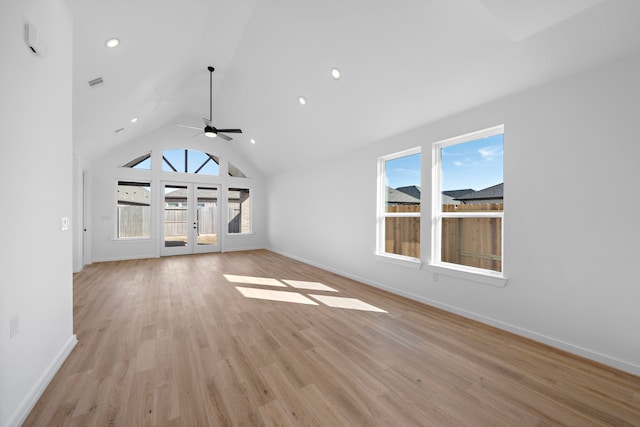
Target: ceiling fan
pixel 209 129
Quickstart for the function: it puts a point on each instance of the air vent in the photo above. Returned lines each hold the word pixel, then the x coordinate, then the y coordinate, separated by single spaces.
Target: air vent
pixel 119 130
pixel 95 82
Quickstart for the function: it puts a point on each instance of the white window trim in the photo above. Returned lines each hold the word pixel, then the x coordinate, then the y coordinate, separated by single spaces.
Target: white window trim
pixel 436 265
pixel 380 253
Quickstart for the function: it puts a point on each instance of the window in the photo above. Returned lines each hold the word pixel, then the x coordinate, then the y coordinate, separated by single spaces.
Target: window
pixel 142 162
pixel 399 204
pixel 190 161
pixel 239 204
pixel 134 210
pixel 468 204
pixel 235 172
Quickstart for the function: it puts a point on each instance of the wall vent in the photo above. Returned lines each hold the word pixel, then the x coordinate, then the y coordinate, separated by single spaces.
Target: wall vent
pixel 95 82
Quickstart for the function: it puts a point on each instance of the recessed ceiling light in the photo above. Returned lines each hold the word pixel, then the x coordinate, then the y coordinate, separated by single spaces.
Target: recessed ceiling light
pixel 135 119
pixel 112 42
pixel 302 100
pixel 335 73
pixel 253 141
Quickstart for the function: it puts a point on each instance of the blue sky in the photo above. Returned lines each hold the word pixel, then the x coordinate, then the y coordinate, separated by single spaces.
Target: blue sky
pixel 195 158
pixel 476 164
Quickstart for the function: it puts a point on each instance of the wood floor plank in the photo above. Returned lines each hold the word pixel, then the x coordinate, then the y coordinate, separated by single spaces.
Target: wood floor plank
pixel 173 342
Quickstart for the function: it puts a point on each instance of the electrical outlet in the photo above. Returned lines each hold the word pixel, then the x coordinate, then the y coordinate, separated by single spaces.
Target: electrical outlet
pixel 14 325
pixel 64 223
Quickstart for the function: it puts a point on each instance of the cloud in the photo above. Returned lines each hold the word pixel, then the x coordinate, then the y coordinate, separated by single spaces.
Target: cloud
pixel 407 172
pixel 490 153
pixel 458 163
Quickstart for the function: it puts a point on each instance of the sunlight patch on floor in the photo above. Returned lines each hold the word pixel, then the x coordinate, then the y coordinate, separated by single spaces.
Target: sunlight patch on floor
pixel 251 280
pixel 270 295
pixel 296 297
pixel 314 286
pixel 349 303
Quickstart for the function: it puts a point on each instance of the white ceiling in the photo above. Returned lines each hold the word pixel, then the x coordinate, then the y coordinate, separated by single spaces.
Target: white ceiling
pixel 404 63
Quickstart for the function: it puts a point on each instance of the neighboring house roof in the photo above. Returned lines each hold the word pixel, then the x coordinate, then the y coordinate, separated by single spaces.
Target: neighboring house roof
pixel 454 194
pixel 395 196
pixel 133 195
pixel 181 194
pixel 411 190
pixel 493 192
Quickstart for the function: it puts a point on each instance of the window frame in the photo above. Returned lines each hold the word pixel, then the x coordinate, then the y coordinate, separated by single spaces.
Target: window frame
pixel 436 262
pixel 116 226
pixel 382 214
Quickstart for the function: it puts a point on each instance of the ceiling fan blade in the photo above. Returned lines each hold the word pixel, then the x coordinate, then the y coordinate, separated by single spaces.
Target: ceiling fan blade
pixel 207 122
pixel 230 130
pixel 225 137
pixel 188 127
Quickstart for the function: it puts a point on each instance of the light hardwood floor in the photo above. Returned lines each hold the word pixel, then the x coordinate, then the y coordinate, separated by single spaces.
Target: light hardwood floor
pixel 173 341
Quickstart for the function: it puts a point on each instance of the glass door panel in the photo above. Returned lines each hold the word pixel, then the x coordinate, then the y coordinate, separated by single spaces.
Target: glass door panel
pixel 207 216
pixel 190 219
pixel 176 218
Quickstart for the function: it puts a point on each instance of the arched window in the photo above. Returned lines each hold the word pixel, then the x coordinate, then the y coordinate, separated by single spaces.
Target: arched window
pixel 190 161
pixel 141 162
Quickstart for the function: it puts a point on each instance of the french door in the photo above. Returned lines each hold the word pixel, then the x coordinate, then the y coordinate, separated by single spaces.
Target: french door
pixel 191 220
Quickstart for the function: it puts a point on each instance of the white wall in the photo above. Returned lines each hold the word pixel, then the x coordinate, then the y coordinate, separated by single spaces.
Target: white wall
pixel 105 173
pixel 35 135
pixel 571 151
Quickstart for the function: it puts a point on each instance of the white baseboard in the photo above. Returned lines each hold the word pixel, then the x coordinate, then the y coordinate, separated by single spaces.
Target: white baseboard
pixel 32 397
pixel 553 342
pixel 123 258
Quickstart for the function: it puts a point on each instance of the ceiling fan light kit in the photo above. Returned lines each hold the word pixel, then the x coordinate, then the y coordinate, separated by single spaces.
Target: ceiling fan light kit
pixel 210 132
pixel 209 129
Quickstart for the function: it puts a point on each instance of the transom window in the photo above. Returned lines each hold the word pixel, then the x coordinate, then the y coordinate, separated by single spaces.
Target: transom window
pixel 190 161
pixel 142 162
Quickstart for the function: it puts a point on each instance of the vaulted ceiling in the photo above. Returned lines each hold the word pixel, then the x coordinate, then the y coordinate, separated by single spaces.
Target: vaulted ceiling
pixel 404 63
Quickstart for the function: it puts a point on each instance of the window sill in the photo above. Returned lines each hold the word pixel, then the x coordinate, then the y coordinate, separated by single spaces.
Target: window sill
pixel 133 240
pixel 472 275
pixel 239 235
pixel 403 261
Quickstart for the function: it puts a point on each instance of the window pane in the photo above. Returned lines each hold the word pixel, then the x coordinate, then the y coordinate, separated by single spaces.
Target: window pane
pixel 234 171
pixel 474 242
pixel 176 219
pixel 472 174
pixel 402 236
pixel 239 211
pixel 142 162
pixel 207 199
pixel 201 163
pixel 173 159
pixel 402 180
pixel 134 210
pixel 190 161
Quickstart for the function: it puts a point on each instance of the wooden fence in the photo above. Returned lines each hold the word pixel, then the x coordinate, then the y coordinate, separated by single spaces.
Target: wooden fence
pixel 176 221
pixel 134 221
pixel 402 234
pixel 474 242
